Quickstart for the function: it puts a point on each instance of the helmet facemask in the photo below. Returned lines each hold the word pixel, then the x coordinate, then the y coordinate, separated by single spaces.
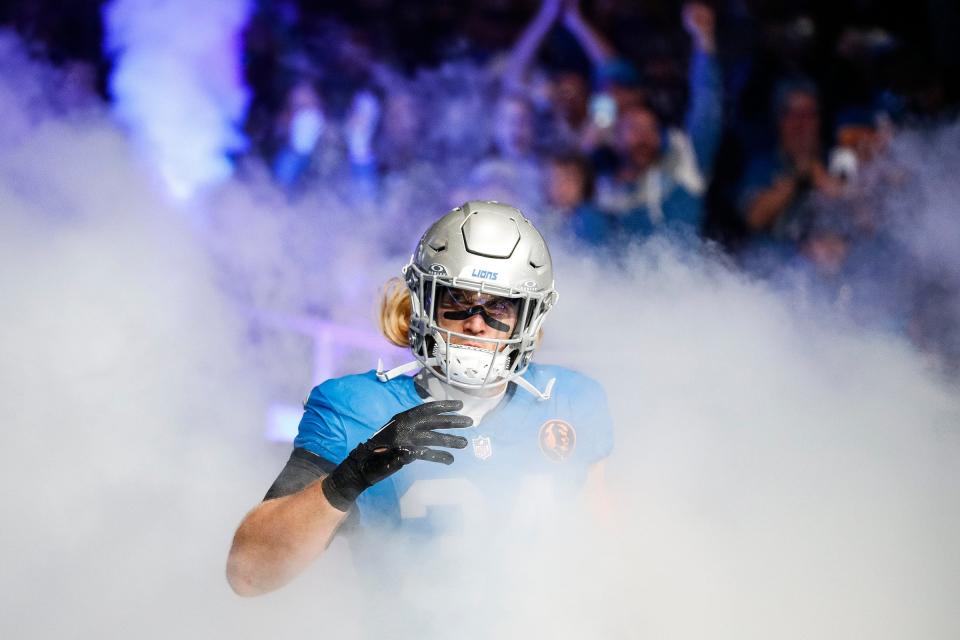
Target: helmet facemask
pixel 484 361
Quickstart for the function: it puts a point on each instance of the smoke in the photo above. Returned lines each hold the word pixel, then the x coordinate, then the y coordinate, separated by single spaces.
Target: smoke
pixel 777 472
pixel 932 230
pixel 925 220
pixel 132 424
pixel 791 476
pixel 178 85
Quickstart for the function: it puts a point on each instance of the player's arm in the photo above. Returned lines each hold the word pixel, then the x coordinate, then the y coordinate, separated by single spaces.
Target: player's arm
pixel 771 202
pixel 704 120
pixel 287 531
pixel 284 534
pixel 592 410
pixel 594 44
pixel 597 494
pixel 526 47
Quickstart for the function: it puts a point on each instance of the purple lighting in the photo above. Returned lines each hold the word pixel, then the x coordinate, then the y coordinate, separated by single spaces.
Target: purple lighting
pixel 332 344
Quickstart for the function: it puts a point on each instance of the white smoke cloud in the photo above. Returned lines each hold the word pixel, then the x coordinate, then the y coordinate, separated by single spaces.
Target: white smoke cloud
pixel 933 231
pixel 778 474
pixel 178 84
pixel 130 415
pixel 785 476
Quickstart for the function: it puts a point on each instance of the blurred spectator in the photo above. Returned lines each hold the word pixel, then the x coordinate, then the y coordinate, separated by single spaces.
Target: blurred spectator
pixel 571 216
pixel 513 128
pixel 523 52
pixel 861 164
pixel 569 90
pixel 616 78
pixel 309 145
pixel 662 174
pixel 297 131
pixel 383 105
pixel 401 129
pixel 614 74
pixel 781 188
pixel 359 127
pixel 511 172
pixel 847 255
pixel 858 142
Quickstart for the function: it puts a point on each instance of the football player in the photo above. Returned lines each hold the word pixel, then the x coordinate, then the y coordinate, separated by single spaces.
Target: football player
pixel 469 439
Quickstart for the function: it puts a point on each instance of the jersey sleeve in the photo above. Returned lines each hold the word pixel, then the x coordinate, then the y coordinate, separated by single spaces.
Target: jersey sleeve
pixel 592 411
pixel 301 469
pixel 321 430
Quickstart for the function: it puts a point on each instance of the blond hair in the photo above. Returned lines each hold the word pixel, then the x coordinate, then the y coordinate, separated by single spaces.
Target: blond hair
pixel 395 309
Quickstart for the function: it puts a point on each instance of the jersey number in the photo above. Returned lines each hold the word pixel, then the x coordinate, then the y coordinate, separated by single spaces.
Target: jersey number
pixel 463 503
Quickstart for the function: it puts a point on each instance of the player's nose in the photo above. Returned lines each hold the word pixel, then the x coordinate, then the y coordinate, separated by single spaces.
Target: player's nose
pixel 474 325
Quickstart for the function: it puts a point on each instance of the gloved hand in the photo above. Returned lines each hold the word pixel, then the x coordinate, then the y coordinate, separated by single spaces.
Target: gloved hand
pixel 407 437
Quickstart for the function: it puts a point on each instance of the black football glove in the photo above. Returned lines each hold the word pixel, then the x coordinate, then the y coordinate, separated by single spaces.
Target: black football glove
pixel 407 437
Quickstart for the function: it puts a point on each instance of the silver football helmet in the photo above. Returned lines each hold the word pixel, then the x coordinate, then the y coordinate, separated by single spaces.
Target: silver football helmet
pixel 482 258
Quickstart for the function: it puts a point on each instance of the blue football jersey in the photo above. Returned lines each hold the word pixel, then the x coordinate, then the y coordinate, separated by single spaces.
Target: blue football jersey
pixel 523 451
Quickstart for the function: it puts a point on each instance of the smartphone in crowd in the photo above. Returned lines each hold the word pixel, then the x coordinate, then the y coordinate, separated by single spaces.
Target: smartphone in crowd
pixel 603 110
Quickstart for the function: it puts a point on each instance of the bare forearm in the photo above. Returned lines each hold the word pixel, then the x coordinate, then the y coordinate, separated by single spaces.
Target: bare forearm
pixel 770 204
pixel 597 48
pixel 279 538
pixel 528 44
pixel 282 535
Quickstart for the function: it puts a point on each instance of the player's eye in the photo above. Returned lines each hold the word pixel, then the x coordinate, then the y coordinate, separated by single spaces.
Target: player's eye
pixel 450 299
pixel 456 300
pixel 501 307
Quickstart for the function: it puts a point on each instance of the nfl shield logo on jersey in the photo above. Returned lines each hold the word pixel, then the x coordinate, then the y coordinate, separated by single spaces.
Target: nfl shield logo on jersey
pixel 482 447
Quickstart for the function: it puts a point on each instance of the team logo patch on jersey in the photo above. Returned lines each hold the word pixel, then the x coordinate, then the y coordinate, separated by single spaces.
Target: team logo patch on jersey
pixel 557 439
pixel 482 448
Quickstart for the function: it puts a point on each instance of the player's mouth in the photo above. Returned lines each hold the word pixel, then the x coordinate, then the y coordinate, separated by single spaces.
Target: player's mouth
pixel 489 346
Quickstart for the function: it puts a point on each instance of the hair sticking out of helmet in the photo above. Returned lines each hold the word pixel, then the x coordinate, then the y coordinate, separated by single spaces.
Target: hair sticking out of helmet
pixel 481 259
pixel 394 317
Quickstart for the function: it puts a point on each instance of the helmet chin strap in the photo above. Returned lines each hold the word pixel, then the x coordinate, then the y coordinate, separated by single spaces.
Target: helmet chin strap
pixel 386 376
pixel 525 384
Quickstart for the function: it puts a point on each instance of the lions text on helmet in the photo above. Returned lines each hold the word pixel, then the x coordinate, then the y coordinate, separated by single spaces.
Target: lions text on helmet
pixel 478 329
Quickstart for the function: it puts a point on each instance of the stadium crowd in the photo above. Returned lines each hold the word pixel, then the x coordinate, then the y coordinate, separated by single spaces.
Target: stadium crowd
pixel 764 127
